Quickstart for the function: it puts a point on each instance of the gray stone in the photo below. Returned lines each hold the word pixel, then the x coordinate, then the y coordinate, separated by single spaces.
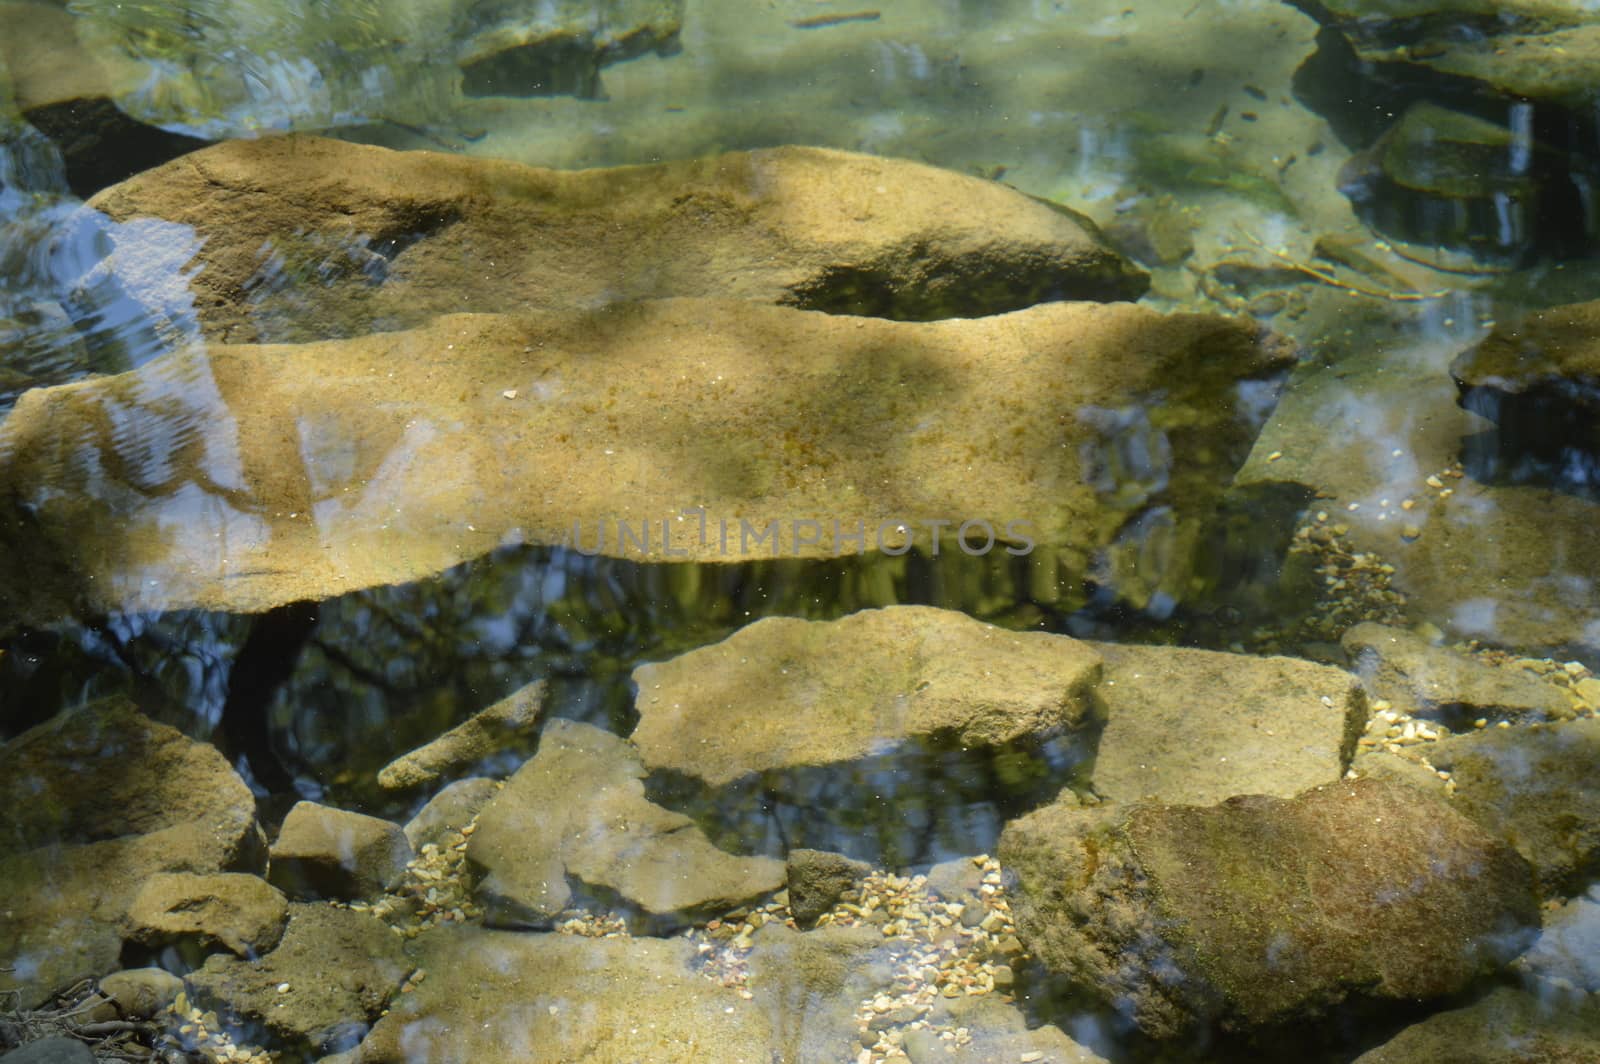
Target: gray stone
pixel 601 1000
pixel 1507 1026
pixel 450 810
pixel 338 969
pixel 140 993
pixel 1534 786
pixel 817 880
pixel 1196 726
pixel 574 823
pixel 1261 912
pixel 244 914
pixel 99 799
pixel 53 1050
pixel 322 852
pixel 506 730
pixel 1419 678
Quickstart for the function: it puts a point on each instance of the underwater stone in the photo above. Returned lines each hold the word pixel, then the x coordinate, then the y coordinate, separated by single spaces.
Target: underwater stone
pixel 507 729
pixel 449 810
pixel 1534 786
pixel 1506 1026
pixel 340 969
pixel 817 880
pixel 1538 380
pixel 801 428
pixel 141 993
pixel 244 914
pixel 573 825
pixel 97 800
pixel 1198 726
pixel 887 735
pixel 306 238
pixel 322 852
pixel 525 999
pixel 1263 912
pixel 1415 676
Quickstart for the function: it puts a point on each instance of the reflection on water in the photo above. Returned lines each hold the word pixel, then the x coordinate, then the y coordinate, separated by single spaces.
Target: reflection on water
pixel 1231 362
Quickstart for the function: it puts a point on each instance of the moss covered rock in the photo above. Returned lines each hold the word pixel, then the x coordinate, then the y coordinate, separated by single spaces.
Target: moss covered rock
pixel 1260 912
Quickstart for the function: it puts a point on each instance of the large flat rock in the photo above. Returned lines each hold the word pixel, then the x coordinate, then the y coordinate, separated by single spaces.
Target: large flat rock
pixel 306 238
pixel 243 477
pixel 1262 912
pixel 887 735
pixel 528 999
pixel 1197 726
pixel 789 693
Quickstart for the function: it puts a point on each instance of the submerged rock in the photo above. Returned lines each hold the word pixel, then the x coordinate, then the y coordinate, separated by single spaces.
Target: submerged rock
pixel 328 979
pixel 1442 177
pixel 321 852
pixel 1507 1026
pixel 1535 787
pixel 1538 380
pixel 1094 439
pixel 307 239
pixel 97 800
pixel 141 993
pixel 605 999
pixel 240 913
pixel 1262 912
pixel 889 734
pixel 557 48
pixel 1416 677
pixel 817 880
pixel 1197 726
pixel 505 730
pixel 1567 955
pixel 573 824
pixel 450 810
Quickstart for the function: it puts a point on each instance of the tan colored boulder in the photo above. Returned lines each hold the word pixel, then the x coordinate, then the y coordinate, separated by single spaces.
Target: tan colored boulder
pixel 307 239
pixel 329 978
pixel 786 693
pixel 1197 726
pixel 506 729
pixel 888 735
pixel 1105 432
pixel 244 914
pixel 322 852
pixel 99 799
pixel 573 825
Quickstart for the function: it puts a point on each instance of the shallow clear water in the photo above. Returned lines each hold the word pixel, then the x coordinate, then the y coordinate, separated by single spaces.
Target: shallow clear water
pixel 1227 327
